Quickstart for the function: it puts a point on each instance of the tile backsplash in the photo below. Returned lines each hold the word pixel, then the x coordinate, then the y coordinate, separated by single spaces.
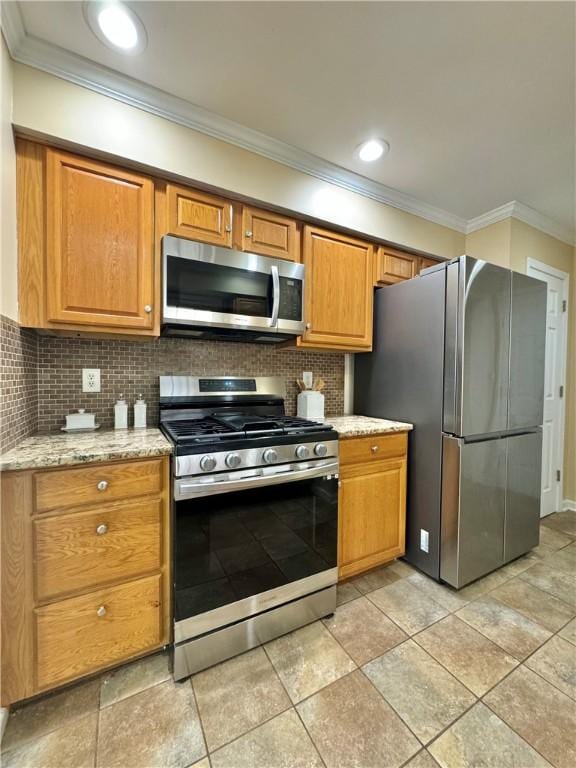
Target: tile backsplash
pixel 133 367
pixel 18 383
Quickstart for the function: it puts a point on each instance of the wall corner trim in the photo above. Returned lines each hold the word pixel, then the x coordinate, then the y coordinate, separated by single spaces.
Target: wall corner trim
pixel 517 210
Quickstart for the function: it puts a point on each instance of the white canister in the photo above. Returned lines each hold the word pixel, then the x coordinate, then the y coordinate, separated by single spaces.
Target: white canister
pixel 121 414
pixel 140 413
pixel 310 405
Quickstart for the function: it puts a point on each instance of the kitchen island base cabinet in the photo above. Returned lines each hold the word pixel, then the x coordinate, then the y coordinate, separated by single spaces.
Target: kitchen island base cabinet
pixel 85 582
pixel 372 502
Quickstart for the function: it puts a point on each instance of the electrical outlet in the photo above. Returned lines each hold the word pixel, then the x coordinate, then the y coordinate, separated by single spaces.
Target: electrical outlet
pixel 308 379
pixel 424 540
pixel 90 379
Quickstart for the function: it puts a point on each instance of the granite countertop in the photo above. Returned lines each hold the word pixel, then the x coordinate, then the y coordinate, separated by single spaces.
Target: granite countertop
pixel 56 450
pixel 355 426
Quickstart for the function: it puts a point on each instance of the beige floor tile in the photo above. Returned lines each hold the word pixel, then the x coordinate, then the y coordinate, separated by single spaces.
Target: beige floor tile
pixel 519 565
pixel 279 743
pixel 157 727
pixel 346 592
pixel 133 678
pixel 563 560
pixel 565 522
pixel 482 740
pixel 50 712
pixel 556 583
pixel 363 630
pixel 472 658
pixel 538 712
pixel 483 586
pixel 556 662
pixel 372 580
pixel 532 602
pixel 553 539
pixel 308 659
pixel 407 605
pixel 204 763
pixel 402 569
pixel 238 695
pixel 353 726
pixel 73 746
pixel 447 597
pixel 512 631
pixel 423 693
pixel 422 760
pixel 569 631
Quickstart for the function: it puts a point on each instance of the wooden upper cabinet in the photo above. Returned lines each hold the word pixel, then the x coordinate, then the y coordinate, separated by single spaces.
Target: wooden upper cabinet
pixel 99 244
pixel 424 263
pixel 338 290
pixel 266 233
pixel 198 215
pixel 394 266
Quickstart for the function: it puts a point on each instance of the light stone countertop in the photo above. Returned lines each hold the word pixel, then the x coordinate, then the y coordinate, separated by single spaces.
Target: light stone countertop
pixel 56 450
pixel 355 426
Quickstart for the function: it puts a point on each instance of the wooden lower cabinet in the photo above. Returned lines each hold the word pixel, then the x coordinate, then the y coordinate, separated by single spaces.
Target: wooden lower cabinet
pixel 372 502
pixel 85 578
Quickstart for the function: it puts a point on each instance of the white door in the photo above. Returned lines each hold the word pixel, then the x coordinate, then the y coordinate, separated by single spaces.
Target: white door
pixel 554 384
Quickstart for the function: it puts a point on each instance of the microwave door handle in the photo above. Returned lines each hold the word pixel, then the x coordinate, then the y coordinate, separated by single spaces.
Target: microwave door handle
pixel 275 296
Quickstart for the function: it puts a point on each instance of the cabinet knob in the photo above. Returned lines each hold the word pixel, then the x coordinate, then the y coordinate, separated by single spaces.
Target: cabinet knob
pixel 228 228
pixel 102 485
pixel 101 529
pixel 248 233
pixel 101 611
pixel 375 449
pixel 308 326
pixel 148 308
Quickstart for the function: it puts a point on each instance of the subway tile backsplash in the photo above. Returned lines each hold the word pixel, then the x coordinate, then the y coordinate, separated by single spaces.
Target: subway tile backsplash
pixel 18 383
pixel 133 367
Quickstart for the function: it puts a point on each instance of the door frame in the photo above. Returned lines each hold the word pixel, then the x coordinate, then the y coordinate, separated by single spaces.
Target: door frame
pixel 540 266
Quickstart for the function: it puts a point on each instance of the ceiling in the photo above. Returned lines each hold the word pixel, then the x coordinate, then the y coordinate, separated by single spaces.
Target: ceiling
pixel 477 99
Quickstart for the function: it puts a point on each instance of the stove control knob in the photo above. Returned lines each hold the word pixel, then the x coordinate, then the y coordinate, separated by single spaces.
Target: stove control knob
pixel 302 452
pixel 270 456
pixel 207 463
pixel 233 460
pixel 320 449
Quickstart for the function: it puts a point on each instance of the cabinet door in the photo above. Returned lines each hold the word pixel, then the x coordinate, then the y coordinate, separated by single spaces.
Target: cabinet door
pixel 372 515
pixel 424 263
pixel 338 290
pixel 394 266
pixel 100 244
pixel 268 234
pixel 199 216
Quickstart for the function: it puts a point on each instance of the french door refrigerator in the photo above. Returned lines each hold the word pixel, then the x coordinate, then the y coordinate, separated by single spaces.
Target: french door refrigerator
pixel 459 352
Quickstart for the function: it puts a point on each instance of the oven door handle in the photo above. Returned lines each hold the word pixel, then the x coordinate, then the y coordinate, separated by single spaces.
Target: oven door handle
pixel 275 295
pixel 184 489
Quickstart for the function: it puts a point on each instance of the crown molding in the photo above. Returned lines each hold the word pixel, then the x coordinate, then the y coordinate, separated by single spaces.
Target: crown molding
pixel 76 69
pixel 517 210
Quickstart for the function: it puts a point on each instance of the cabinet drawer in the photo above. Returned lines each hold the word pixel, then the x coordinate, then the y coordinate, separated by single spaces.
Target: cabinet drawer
pixel 358 450
pixel 83 634
pixel 88 549
pixel 97 483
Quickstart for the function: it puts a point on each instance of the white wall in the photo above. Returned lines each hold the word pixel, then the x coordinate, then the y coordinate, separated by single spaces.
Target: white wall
pixel 8 247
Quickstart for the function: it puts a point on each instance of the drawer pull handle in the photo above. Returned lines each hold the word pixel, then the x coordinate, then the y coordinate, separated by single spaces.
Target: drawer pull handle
pixel 102 485
pixel 375 449
pixel 101 529
pixel 101 611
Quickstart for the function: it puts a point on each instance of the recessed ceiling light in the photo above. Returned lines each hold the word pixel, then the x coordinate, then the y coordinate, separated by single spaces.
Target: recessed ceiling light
pixel 371 150
pixel 116 25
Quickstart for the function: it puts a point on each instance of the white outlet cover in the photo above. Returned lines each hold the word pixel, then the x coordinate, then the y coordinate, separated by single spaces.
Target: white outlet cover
pixel 90 379
pixel 424 540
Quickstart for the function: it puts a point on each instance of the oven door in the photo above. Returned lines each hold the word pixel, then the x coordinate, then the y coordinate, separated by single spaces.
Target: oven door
pixel 243 552
pixel 204 285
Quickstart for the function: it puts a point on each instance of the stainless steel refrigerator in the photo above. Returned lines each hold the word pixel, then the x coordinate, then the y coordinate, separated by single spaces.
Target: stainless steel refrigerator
pixel 459 352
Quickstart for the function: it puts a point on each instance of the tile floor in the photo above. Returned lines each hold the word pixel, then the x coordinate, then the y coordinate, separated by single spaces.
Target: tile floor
pixel 406 673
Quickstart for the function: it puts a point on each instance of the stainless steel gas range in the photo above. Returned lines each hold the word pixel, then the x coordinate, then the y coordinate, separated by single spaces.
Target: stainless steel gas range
pixel 255 516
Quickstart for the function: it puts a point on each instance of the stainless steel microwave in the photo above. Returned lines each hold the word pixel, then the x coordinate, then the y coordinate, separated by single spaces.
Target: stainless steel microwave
pixel 212 292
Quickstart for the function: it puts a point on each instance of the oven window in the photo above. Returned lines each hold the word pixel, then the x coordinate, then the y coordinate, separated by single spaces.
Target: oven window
pixel 215 288
pixel 232 546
